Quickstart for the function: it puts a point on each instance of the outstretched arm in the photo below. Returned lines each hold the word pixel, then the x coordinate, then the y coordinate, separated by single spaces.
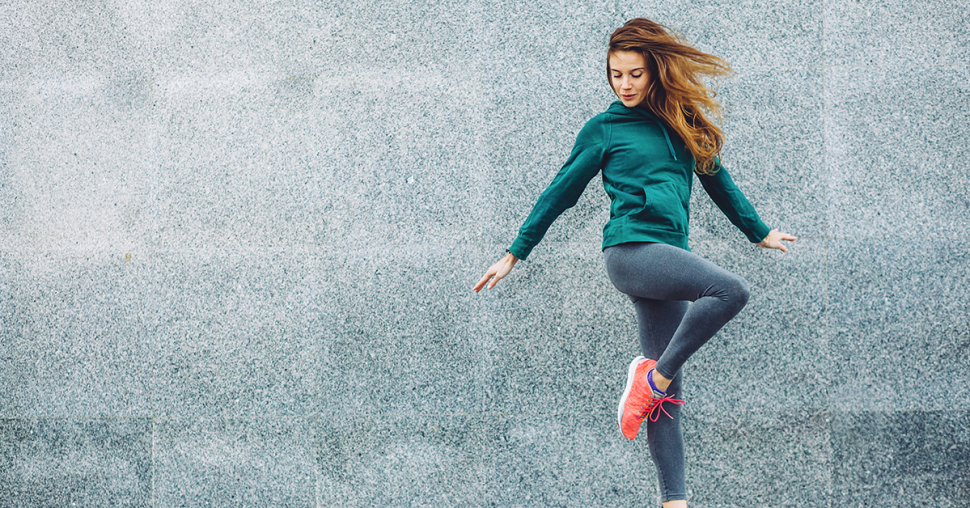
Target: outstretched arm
pixel 583 164
pixel 497 272
pixel 739 211
pixel 726 195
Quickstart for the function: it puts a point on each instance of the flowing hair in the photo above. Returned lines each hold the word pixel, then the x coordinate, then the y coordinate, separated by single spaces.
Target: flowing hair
pixel 675 92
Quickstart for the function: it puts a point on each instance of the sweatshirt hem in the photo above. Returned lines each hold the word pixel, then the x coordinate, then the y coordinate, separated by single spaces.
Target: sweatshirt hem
pixel 638 233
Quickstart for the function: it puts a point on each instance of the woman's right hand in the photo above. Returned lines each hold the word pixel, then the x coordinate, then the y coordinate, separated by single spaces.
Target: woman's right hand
pixel 497 272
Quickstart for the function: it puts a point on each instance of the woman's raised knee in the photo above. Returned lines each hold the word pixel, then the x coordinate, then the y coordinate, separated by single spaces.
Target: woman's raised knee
pixel 740 291
pixel 733 290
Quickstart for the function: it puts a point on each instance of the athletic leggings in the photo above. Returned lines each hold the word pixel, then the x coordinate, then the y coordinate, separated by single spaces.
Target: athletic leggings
pixel 662 281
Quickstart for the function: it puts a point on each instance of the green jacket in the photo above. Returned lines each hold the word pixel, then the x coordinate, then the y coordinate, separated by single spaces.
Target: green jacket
pixel 647 172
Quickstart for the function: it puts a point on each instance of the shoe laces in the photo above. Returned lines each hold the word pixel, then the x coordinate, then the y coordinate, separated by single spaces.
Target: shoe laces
pixel 654 406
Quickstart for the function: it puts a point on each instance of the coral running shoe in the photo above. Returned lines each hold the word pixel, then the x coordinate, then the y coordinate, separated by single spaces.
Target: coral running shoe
pixel 639 400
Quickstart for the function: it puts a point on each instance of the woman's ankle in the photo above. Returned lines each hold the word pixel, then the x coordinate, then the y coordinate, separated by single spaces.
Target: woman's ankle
pixel 658 381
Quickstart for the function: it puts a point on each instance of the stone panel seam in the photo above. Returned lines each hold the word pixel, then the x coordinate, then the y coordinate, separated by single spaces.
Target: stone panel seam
pixel 826 233
pixel 317 473
pixel 75 418
pixel 153 457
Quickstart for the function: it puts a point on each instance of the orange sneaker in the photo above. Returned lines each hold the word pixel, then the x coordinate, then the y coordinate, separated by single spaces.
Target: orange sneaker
pixel 639 400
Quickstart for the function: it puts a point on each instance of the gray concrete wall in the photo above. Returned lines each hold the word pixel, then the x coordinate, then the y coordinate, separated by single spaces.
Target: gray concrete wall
pixel 237 241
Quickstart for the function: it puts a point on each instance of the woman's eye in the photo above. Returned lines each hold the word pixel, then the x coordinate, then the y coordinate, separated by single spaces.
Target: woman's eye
pixel 636 75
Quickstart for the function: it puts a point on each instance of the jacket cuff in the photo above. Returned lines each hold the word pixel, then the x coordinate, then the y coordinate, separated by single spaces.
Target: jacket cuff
pixel 520 248
pixel 759 232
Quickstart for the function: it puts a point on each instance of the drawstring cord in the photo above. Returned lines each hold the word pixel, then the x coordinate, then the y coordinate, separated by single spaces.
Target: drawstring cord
pixel 669 144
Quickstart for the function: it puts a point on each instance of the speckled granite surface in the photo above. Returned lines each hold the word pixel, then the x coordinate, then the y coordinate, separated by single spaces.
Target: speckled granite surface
pixel 237 242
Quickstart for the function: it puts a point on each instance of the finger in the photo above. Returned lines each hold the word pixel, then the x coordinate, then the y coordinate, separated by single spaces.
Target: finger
pixel 478 287
pixel 484 279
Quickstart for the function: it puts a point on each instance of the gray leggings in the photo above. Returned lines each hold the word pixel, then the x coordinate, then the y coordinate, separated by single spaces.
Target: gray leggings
pixel 662 281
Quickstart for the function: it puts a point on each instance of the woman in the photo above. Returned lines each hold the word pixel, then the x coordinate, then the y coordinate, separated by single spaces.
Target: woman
pixel 648 145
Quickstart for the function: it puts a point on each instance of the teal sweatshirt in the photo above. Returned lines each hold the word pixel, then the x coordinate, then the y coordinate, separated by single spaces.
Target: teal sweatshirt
pixel 647 172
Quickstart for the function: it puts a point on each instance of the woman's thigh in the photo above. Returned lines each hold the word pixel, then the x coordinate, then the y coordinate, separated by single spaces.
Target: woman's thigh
pixel 658 271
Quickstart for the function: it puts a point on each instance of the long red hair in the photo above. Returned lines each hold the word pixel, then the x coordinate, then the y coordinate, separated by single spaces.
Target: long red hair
pixel 676 94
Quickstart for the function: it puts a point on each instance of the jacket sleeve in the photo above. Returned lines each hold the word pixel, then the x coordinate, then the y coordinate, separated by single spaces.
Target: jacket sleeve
pixel 732 202
pixel 583 164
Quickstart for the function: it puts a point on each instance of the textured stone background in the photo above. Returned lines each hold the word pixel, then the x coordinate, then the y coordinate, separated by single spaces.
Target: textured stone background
pixel 237 241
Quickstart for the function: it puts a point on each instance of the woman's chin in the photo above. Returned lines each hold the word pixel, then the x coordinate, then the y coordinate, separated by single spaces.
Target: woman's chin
pixel 629 102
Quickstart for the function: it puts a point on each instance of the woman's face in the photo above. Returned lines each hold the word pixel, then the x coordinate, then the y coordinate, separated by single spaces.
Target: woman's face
pixel 629 71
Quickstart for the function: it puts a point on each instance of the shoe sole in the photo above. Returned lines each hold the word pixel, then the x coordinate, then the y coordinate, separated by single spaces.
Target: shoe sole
pixel 630 376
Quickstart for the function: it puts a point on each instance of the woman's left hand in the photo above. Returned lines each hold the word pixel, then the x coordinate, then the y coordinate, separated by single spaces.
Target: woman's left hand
pixel 773 240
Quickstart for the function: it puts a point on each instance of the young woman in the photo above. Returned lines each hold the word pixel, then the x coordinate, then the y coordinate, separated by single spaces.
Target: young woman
pixel 648 145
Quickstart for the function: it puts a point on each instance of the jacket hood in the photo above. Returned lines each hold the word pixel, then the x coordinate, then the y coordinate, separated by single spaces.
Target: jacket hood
pixel 617 108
